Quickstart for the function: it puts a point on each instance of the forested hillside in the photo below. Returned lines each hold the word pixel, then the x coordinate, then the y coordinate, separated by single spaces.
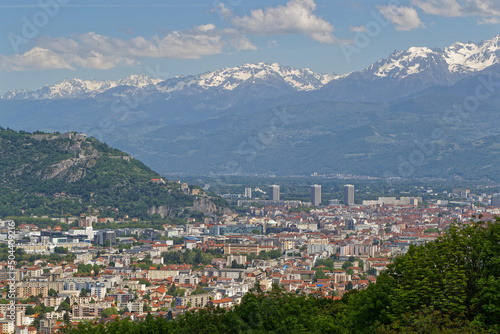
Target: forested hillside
pixel 451 285
pixel 46 174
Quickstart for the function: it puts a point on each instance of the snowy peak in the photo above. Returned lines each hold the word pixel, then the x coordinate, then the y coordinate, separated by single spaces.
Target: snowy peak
pixel 423 65
pixel 457 59
pixel 77 88
pixel 230 78
pixel 139 81
pixel 401 64
pixel 225 79
pixel 464 57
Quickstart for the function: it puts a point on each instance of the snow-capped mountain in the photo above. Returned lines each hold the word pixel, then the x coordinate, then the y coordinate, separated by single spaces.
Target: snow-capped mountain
pixel 250 116
pixel 77 88
pixel 458 59
pixel 231 78
pixel 226 79
pixel 406 72
pixel 401 74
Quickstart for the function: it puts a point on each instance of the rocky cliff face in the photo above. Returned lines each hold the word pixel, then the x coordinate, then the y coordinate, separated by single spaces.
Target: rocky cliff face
pixel 163 211
pixel 204 205
pixel 72 169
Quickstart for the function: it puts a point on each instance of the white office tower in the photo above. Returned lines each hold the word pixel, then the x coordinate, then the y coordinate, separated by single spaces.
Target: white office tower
pixel 274 192
pixel 248 192
pixel 315 195
pixel 348 194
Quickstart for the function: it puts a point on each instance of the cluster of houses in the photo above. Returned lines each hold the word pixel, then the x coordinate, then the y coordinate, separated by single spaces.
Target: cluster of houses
pixel 124 273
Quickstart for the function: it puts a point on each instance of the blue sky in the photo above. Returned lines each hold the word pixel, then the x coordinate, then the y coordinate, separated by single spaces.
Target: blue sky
pixel 44 42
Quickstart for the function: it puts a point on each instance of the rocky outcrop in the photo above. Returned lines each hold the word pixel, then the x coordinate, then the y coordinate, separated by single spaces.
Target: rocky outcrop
pixel 163 211
pixel 204 205
pixel 70 170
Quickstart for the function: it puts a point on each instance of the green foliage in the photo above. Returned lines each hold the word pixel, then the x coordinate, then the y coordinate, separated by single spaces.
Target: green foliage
pixel 107 312
pixel 274 313
pixel 454 278
pixel 65 306
pixel 84 292
pixel 320 274
pixel 347 264
pixel 191 256
pixel 263 255
pixel 305 209
pixel 329 263
pixel 61 250
pixel 198 291
pixel 99 179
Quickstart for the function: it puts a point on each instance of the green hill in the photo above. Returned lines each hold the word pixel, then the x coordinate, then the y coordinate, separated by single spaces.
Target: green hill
pixel 44 174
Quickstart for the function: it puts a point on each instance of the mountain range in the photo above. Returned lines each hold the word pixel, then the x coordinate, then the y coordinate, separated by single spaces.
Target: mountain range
pixel 365 121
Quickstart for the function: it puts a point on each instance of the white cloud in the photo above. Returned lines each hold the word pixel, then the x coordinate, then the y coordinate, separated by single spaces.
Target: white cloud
pixel 357 29
pixel 295 17
pixel 42 59
pixel 96 51
pixel 193 44
pixel 486 8
pixel 447 8
pixel 403 18
pixel 491 20
pixel 457 8
pixel 91 50
pixel 36 58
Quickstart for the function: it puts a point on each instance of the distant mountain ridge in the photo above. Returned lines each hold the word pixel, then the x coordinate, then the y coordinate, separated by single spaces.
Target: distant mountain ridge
pixel 262 118
pixel 224 79
pixel 425 65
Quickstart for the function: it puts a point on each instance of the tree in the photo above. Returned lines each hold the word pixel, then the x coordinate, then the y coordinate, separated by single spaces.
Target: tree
pixel 107 312
pixel 234 264
pixel 320 274
pixel 60 250
pixel 52 293
pixel 66 318
pixel 347 264
pixel 64 306
pixel 455 277
pixel 84 292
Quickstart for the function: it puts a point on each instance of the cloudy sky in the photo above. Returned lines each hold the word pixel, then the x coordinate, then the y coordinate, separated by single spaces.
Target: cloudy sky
pixel 44 42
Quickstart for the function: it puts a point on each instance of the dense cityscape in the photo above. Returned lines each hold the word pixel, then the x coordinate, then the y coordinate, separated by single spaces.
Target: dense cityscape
pixel 80 273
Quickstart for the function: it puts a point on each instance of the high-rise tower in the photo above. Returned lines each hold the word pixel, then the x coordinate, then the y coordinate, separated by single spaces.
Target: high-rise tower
pixel 348 194
pixel 274 192
pixel 315 194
